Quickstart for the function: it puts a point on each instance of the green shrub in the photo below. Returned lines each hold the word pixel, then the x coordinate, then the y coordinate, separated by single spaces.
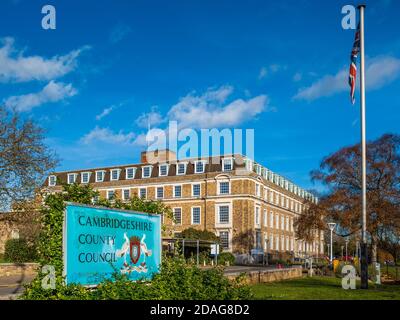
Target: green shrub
pixel 225 257
pixel 19 250
pixel 176 280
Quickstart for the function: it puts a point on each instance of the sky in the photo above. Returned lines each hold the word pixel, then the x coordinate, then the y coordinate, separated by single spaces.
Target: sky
pixel 112 69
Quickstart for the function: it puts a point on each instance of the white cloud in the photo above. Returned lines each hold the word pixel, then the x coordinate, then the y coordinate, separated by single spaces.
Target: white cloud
pixel 297 77
pixel 119 32
pixel 379 72
pixel 52 92
pixel 104 113
pixel 106 135
pixel 16 67
pixel 152 118
pixel 210 109
pixel 273 68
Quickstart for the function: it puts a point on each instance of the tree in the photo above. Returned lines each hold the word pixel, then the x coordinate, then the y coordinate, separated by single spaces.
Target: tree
pixel 341 173
pixel 24 158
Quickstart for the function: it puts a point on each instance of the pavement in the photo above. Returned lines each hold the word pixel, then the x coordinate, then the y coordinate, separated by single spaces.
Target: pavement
pixel 11 287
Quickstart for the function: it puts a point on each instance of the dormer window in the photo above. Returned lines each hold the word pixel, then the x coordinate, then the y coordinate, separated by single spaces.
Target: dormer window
pixel 85 177
pixel 199 166
pixel 146 171
pixel 52 181
pixel 72 178
pixel 130 173
pixel 100 175
pixel 181 168
pixel 163 170
pixel 227 164
pixel 115 174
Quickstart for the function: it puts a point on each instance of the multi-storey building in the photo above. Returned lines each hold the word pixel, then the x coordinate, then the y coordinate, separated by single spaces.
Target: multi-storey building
pixel 247 205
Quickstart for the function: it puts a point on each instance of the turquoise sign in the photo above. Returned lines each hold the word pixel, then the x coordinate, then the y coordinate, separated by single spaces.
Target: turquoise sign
pixel 99 242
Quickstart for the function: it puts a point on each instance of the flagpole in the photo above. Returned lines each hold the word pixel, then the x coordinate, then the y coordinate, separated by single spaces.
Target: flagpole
pixel 364 262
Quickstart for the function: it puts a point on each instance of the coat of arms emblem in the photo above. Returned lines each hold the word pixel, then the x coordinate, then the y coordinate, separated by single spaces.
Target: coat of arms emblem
pixel 134 244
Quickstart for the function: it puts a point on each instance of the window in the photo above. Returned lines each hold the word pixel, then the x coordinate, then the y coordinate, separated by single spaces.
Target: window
pixel 115 174
pixel 110 194
pixel 130 173
pixel 100 176
pixel 287 223
pixel 85 176
pixel 126 194
pixel 177 191
pixel 199 166
pixel 224 239
pixel 178 215
pixel 52 181
pixel 271 242
pixel 265 218
pixel 276 198
pixel 227 164
pixel 160 192
pixel 223 214
pixel 258 240
pixel 287 244
pixel 258 191
pixel 271 219
pixel 277 221
pixel 271 197
pixel 146 171
pixel 257 216
pixel 277 243
pixel 224 187
pixel 282 201
pixel 196 215
pixel 282 223
pixel 71 178
pixel 196 189
pixel 142 193
pixel 163 170
pixel 181 168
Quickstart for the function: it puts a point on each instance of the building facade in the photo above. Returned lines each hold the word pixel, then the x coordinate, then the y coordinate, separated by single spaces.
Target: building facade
pixel 245 204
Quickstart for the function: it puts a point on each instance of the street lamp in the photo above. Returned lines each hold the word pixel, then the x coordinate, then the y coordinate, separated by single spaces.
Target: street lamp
pixel 331 226
pixel 346 242
pixel 342 247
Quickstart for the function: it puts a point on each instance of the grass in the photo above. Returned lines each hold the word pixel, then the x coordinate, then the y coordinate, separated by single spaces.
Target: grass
pixel 322 288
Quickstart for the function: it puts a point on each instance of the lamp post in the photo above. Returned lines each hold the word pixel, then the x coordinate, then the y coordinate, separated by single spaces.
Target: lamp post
pixel 331 226
pixel 346 242
pixel 342 247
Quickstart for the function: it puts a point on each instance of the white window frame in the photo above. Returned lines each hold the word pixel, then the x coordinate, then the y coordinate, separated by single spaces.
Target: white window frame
pixel 157 197
pixel 257 218
pixel 103 175
pixel 134 173
pixel 173 190
pixel 204 166
pixel 150 171
pixel 108 196
pixel 265 217
pixel 271 219
pixel 193 195
pixel 140 196
pixel 223 164
pixel 229 239
pixel 118 174
pixel 88 173
pixel 74 175
pixel 123 194
pixel 52 183
pixel 217 221
pixel 159 170
pixel 196 207
pixel 173 215
pixel 219 187
pixel 184 166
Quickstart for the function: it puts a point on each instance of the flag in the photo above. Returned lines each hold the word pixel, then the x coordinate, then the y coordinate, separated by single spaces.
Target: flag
pixel 353 66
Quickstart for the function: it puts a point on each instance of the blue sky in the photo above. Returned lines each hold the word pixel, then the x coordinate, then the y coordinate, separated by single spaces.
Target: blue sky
pixel 278 67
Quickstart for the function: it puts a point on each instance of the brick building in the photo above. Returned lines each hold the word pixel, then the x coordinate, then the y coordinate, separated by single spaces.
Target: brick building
pixel 245 204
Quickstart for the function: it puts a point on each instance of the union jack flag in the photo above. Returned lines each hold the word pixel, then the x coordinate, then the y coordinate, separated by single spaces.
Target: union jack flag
pixel 353 66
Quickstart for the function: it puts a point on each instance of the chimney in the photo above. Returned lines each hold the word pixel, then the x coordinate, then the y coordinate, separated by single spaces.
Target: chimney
pixel 157 156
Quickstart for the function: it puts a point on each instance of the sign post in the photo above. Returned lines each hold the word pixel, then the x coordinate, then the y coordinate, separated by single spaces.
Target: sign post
pixel 101 242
